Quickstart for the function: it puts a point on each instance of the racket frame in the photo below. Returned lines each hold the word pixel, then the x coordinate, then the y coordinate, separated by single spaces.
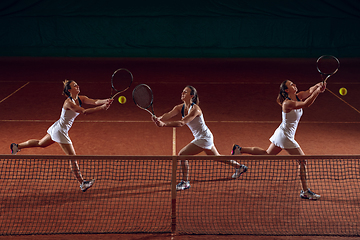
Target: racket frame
pixel 151 102
pixel 112 82
pixel 325 76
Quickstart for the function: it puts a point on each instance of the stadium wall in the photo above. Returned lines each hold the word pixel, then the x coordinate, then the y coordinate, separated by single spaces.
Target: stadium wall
pixel 202 28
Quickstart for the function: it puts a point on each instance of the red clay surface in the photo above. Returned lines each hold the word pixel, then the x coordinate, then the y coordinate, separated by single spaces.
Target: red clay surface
pixel 237 97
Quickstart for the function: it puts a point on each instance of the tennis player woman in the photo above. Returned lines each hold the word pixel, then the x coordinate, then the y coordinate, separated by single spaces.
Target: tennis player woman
pixel 292 103
pixel 191 115
pixel 58 132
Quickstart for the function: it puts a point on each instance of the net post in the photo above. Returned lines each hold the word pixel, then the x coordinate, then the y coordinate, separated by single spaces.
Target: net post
pixel 173 195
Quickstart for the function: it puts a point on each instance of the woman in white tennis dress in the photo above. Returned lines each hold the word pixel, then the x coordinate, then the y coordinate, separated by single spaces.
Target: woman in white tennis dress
pixel 58 132
pixel 191 115
pixel 292 103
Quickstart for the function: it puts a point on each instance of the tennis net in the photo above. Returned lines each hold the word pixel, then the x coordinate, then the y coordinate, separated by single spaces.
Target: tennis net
pixel 136 194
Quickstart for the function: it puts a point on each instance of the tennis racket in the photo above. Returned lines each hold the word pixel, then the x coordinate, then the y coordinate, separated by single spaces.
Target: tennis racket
pixel 121 80
pixel 327 65
pixel 143 98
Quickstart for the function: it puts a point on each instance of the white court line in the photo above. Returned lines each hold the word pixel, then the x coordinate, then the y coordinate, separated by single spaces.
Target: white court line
pixel 204 83
pixel 81 121
pixel 174 142
pixel 309 122
pixel 14 92
pixel 174 132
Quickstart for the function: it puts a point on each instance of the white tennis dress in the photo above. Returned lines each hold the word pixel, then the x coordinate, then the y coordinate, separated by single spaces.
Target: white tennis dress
pixel 284 135
pixel 202 134
pixel 59 130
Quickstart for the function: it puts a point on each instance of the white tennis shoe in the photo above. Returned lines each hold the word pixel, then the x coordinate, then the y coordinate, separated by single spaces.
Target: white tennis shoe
pixel 308 194
pixel 183 185
pixel 239 171
pixel 236 150
pixel 85 185
pixel 14 148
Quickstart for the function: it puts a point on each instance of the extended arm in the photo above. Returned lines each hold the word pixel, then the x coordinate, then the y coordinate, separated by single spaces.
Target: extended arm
pixel 195 111
pixel 305 94
pixel 288 105
pixel 103 104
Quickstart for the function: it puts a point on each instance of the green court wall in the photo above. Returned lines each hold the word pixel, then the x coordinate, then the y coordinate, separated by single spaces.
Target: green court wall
pixel 198 28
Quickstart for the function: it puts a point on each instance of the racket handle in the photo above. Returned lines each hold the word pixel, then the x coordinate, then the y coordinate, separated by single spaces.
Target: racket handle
pixel 326 78
pixel 114 95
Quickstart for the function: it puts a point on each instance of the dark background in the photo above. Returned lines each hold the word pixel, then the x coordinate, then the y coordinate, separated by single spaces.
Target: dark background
pixel 43 42
pixel 202 28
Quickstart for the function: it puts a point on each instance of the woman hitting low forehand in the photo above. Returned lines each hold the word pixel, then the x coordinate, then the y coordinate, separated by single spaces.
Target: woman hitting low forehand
pixel 292 103
pixel 58 132
pixel 191 115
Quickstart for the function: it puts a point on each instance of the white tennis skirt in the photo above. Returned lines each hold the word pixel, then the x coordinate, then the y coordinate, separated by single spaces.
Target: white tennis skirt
pixel 280 139
pixel 205 143
pixel 58 134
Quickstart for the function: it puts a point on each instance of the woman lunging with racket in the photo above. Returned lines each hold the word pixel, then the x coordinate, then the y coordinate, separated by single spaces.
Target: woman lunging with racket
pixel 292 103
pixel 58 132
pixel 192 116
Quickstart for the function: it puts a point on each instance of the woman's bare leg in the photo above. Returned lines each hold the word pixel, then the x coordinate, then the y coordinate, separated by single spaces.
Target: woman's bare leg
pixel 44 142
pixel 302 166
pixel 190 149
pixel 69 150
pixel 253 151
pixel 214 151
pixel 272 150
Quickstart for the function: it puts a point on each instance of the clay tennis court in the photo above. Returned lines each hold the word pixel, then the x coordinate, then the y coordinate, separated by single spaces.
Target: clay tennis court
pixel 237 97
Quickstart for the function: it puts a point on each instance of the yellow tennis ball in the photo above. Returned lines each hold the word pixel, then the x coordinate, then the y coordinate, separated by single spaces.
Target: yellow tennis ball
pixel 122 99
pixel 343 91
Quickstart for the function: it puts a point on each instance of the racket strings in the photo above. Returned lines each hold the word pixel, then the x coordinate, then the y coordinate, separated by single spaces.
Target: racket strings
pixel 327 65
pixel 121 80
pixel 143 96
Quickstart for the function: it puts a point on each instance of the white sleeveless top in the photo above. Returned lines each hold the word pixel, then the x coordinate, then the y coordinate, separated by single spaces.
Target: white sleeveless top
pixel 202 134
pixel 284 135
pixel 59 130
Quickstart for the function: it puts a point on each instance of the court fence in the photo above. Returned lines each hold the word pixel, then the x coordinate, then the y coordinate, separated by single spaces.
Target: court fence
pixel 137 194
